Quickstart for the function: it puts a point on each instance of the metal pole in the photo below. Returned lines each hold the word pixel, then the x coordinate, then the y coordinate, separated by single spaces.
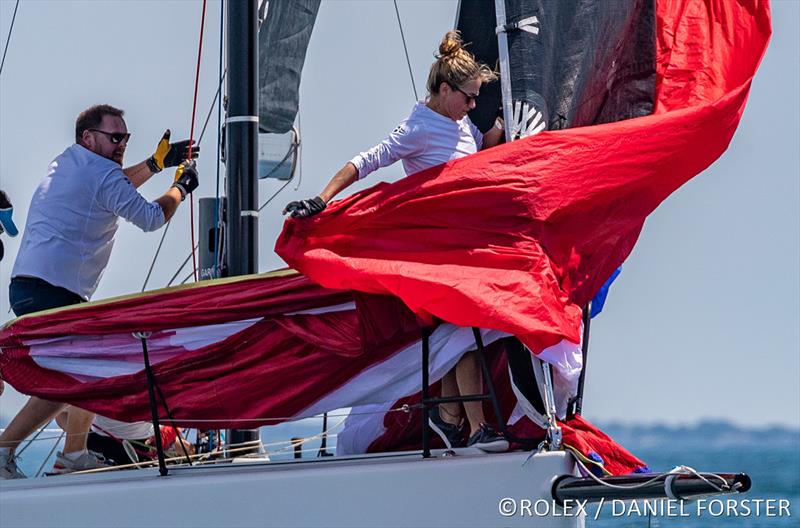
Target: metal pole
pixel 681 486
pixel 426 410
pixel 505 65
pixel 487 374
pixel 241 149
pixel 323 445
pixel 151 382
pixel 587 320
pixel 297 445
pixel 241 137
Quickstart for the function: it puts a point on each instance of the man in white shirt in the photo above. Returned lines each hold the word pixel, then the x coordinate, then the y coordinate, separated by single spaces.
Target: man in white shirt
pixel 67 242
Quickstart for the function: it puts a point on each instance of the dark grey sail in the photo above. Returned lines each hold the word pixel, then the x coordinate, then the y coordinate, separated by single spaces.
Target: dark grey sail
pixel 562 64
pixel 282 42
pixel 575 62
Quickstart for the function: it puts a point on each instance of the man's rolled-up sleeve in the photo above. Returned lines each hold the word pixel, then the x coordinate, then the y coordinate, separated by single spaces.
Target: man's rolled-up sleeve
pixel 118 195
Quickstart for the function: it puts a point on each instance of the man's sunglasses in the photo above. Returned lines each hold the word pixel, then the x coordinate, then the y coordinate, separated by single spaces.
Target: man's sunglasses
pixel 115 137
pixel 470 97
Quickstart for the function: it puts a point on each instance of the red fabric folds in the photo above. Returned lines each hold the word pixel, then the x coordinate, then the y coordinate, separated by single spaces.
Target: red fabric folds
pixel 255 360
pixel 518 237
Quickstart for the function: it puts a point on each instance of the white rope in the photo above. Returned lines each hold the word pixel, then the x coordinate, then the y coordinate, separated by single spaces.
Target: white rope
pixel 404 408
pixel 678 470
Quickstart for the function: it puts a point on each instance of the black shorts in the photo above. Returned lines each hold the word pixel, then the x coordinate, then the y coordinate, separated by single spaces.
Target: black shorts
pixel 110 448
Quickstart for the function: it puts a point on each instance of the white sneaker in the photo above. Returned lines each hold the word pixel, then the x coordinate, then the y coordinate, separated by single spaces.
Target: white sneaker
pixel 87 460
pixel 8 466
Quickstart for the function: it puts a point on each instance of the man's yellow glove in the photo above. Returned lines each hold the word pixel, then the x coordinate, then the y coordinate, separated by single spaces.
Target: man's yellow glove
pixel 170 154
pixel 186 179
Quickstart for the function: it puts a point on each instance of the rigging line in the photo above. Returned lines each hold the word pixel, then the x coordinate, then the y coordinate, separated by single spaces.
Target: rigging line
pixel 44 463
pixel 189 276
pixel 215 269
pixel 164 234
pixel 172 422
pixel 679 470
pixel 10 29
pixel 299 152
pixel 151 463
pixel 274 194
pixel 404 408
pixel 308 439
pixel 202 133
pixel 180 269
pixel 408 61
pixel 191 130
pixel 32 439
pixel 211 109
pixel 155 257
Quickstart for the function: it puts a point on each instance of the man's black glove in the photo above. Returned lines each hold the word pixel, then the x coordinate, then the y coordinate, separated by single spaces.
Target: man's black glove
pixel 170 154
pixel 305 208
pixel 186 179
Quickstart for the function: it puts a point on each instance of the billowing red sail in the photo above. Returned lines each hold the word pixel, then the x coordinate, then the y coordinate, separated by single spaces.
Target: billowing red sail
pixel 519 237
pixel 514 239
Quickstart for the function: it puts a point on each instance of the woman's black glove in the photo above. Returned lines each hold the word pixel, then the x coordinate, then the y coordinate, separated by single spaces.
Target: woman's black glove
pixel 305 208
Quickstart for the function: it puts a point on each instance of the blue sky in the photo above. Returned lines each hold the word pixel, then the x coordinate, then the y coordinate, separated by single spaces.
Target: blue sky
pixel 704 321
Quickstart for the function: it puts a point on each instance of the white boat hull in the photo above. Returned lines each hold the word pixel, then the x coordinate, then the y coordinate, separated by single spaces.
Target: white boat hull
pixel 396 490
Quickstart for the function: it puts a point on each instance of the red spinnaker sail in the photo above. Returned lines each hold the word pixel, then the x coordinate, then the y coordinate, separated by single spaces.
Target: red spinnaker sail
pixel 519 237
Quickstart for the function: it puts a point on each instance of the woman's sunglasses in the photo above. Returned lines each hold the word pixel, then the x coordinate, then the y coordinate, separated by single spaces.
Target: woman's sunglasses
pixel 115 137
pixel 470 97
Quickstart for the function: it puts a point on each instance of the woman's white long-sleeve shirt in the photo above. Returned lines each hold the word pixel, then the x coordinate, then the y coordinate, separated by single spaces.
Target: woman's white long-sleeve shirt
pixel 424 139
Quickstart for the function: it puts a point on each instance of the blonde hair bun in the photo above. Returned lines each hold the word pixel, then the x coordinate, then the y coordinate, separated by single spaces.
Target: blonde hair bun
pixel 451 44
pixel 455 65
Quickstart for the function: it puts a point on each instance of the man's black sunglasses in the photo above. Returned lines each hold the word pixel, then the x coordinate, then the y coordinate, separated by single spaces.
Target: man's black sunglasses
pixel 470 97
pixel 115 137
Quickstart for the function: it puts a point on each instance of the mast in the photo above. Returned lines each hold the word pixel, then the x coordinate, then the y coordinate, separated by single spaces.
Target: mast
pixel 241 147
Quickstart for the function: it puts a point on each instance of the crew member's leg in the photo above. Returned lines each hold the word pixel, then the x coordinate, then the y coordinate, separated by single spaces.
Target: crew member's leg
pixel 34 414
pixel 470 382
pixel 78 424
pixel 28 295
pixel 450 412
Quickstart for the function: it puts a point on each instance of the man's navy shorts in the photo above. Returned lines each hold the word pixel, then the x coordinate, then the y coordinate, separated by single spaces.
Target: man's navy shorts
pixel 29 294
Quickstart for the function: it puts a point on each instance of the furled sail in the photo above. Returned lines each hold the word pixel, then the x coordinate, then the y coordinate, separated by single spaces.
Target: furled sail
pixel 282 42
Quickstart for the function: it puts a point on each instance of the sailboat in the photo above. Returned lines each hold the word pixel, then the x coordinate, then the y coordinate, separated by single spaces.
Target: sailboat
pixel 317 341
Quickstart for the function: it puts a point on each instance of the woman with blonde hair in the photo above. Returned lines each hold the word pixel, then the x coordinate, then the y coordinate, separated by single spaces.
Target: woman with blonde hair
pixel 437 131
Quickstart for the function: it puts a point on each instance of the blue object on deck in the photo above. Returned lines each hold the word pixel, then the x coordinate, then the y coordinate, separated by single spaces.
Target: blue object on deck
pixel 600 297
pixel 7 222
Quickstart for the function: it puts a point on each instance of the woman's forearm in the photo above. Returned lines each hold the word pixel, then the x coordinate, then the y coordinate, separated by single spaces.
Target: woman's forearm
pixel 492 137
pixel 342 179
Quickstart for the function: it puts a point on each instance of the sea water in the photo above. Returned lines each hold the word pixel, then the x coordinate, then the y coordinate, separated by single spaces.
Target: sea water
pixel 770 458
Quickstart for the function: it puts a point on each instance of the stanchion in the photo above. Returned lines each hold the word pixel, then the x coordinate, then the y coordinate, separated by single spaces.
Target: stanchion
pixel 151 382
